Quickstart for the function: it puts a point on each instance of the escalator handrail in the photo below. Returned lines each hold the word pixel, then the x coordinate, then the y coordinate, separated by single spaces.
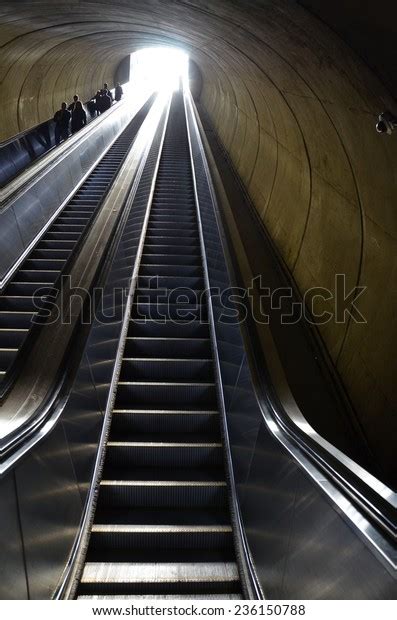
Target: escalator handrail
pixel 45 416
pixel 13 371
pixel 26 132
pixel 249 580
pixel 46 162
pixel 44 167
pixel 369 494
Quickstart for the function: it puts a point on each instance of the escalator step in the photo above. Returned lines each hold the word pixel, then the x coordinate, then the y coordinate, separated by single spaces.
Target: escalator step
pixel 126 493
pixel 175 394
pixel 170 282
pixel 192 250
pixel 28 288
pixel 167 369
pixel 48 253
pixel 116 536
pixel 164 516
pixel 16 320
pixel 168 347
pixel 11 338
pixel 188 229
pixel 177 295
pixel 152 258
pixel 158 578
pixel 157 217
pixel 170 311
pixel 161 454
pixel 190 271
pixel 184 597
pixel 38 275
pixel 175 421
pixel 7 355
pixel 169 329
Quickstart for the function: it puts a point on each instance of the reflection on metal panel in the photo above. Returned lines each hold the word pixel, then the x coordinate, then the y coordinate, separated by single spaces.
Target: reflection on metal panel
pixel 12 568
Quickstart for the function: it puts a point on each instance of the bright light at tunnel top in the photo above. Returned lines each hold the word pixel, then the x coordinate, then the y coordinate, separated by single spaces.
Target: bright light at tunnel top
pixel 158 68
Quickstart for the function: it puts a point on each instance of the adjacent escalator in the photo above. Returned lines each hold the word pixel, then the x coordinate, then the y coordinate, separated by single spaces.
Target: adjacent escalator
pixel 162 524
pixel 37 278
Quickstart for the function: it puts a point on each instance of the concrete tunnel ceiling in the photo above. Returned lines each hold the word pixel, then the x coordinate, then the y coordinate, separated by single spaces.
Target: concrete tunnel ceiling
pixel 295 108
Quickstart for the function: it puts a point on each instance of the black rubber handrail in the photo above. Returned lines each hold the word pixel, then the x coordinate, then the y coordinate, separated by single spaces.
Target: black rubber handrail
pixel 249 581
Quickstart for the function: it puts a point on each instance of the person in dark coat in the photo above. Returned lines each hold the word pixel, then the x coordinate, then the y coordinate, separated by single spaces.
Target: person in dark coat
pixel 62 119
pixel 72 106
pixel 118 93
pixel 98 103
pixel 79 117
pixel 106 101
pixel 91 105
pixel 107 91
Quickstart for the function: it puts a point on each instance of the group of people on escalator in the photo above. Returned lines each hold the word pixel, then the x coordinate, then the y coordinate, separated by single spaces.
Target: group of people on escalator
pixel 74 117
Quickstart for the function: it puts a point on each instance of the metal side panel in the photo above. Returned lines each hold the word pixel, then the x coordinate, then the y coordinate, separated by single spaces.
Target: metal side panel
pixel 12 568
pixel 82 424
pixel 302 546
pixel 50 509
pixel 11 242
pixel 50 194
pixel 29 216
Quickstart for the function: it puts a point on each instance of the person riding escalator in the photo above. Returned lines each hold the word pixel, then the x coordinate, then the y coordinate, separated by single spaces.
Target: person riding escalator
pixel 79 117
pixel 62 119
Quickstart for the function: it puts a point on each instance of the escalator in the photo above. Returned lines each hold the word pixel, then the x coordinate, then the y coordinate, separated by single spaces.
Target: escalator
pixel 38 276
pixel 159 462
pixel 162 524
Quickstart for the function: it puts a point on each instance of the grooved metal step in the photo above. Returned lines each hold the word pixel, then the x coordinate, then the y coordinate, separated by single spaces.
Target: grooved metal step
pixel 164 454
pixel 116 536
pixel 168 369
pixel 162 597
pixel 169 311
pixel 150 393
pixel 168 329
pixel 124 493
pixel 167 347
pixel 175 421
pixel 193 578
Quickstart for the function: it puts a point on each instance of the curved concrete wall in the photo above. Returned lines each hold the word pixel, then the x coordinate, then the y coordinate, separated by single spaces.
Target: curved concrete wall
pixel 294 107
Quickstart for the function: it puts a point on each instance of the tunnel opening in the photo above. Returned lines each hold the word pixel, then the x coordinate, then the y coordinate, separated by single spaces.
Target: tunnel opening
pixel 158 69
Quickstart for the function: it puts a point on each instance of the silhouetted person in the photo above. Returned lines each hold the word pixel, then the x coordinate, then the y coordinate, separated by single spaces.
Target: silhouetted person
pixel 92 108
pixel 79 117
pixel 118 93
pixel 97 98
pixel 106 101
pixel 72 106
pixel 62 119
pixel 107 91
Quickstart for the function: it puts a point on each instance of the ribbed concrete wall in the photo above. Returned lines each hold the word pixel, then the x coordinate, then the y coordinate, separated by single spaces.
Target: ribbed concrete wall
pixel 294 107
